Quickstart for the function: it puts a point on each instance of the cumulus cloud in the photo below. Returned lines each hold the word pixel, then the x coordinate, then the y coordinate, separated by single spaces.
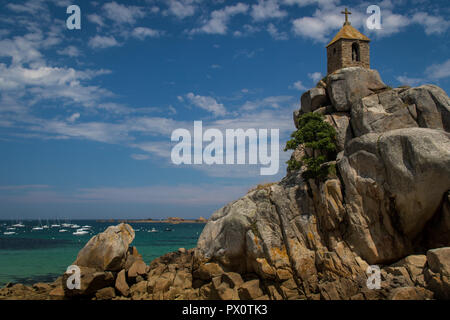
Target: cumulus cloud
pixel 182 8
pixel 433 73
pixel 298 85
pixel 102 42
pixel 73 117
pixel 409 81
pixel 96 19
pixel 267 9
pixel 219 19
pixel 432 24
pixel 142 33
pixel 274 102
pixel 274 33
pixel 315 76
pixel 70 51
pixel 438 71
pixel 120 13
pixel 207 103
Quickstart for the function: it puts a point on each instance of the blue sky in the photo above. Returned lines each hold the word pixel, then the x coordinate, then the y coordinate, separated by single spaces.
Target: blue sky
pixel 86 115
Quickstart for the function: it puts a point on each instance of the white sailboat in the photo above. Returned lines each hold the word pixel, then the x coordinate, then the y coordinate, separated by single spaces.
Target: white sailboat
pixel 19 225
pixel 39 227
pixel 80 232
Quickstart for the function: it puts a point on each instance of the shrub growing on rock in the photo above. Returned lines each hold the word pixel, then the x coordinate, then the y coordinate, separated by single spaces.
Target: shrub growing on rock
pixel 320 137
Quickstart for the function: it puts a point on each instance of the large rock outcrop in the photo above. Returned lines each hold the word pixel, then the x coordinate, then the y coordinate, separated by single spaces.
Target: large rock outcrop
pixel 107 251
pixel 315 239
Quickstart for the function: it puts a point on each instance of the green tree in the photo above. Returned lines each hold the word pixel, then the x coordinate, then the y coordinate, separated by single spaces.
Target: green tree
pixel 314 133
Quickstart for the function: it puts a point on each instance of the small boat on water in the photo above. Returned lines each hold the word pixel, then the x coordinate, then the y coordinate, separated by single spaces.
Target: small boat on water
pixel 55 226
pixel 19 225
pixel 10 228
pixel 168 229
pixel 80 232
pixel 75 226
pixel 63 230
pixel 9 233
pixel 38 228
pixel 153 230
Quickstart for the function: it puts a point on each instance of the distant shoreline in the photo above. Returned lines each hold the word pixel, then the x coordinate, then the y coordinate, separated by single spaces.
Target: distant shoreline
pixel 169 221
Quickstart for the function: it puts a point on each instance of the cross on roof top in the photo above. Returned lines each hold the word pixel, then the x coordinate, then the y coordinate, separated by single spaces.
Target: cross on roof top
pixel 346 12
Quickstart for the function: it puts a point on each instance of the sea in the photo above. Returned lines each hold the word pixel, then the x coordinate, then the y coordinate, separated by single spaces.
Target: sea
pixel 29 256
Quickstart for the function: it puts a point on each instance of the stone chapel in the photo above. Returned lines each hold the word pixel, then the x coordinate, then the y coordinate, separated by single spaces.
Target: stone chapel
pixel 349 48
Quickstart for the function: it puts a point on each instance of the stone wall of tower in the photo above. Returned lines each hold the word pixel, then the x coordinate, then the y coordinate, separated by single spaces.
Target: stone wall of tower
pixel 339 55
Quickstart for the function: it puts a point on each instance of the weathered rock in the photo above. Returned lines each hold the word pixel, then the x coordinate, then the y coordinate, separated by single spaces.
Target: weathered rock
pixel 313 99
pixel 250 290
pixel 347 86
pixel 381 113
pixel 121 284
pixel 57 293
pixel 233 279
pixel 139 268
pixel 91 281
pixel 105 294
pixel 414 264
pixel 432 104
pixel 208 271
pixel 439 261
pixel 385 176
pixel 108 250
pixel 42 287
pixel 341 123
pixel 410 293
pixel 138 290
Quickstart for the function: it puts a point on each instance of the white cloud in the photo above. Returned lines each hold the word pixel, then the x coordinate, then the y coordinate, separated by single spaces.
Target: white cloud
pixel 74 117
pixel 318 27
pixel 438 71
pixel 275 102
pixel 298 85
pixel 207 103
pixel 277 35
pixel 182 8
pixel 96 19
pixel 315 76
pixel 142 33
pixel 140 157
pixel 303 3
pixel 102 42
pixel 219 19
pixel 246 31
pixel 432 73
pixel 123 14
pixel 432 24
pixel 405 80
pixel 70 51
pixel 267 9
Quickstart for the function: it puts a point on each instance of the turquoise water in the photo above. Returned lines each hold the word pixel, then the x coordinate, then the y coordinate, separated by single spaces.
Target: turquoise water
pixel 31 256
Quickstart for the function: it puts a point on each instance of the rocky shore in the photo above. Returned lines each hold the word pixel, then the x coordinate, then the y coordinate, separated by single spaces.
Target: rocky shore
pixel 387 204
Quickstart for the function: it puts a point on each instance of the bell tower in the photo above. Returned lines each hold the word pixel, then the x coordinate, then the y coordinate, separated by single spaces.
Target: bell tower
pixel 349 48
